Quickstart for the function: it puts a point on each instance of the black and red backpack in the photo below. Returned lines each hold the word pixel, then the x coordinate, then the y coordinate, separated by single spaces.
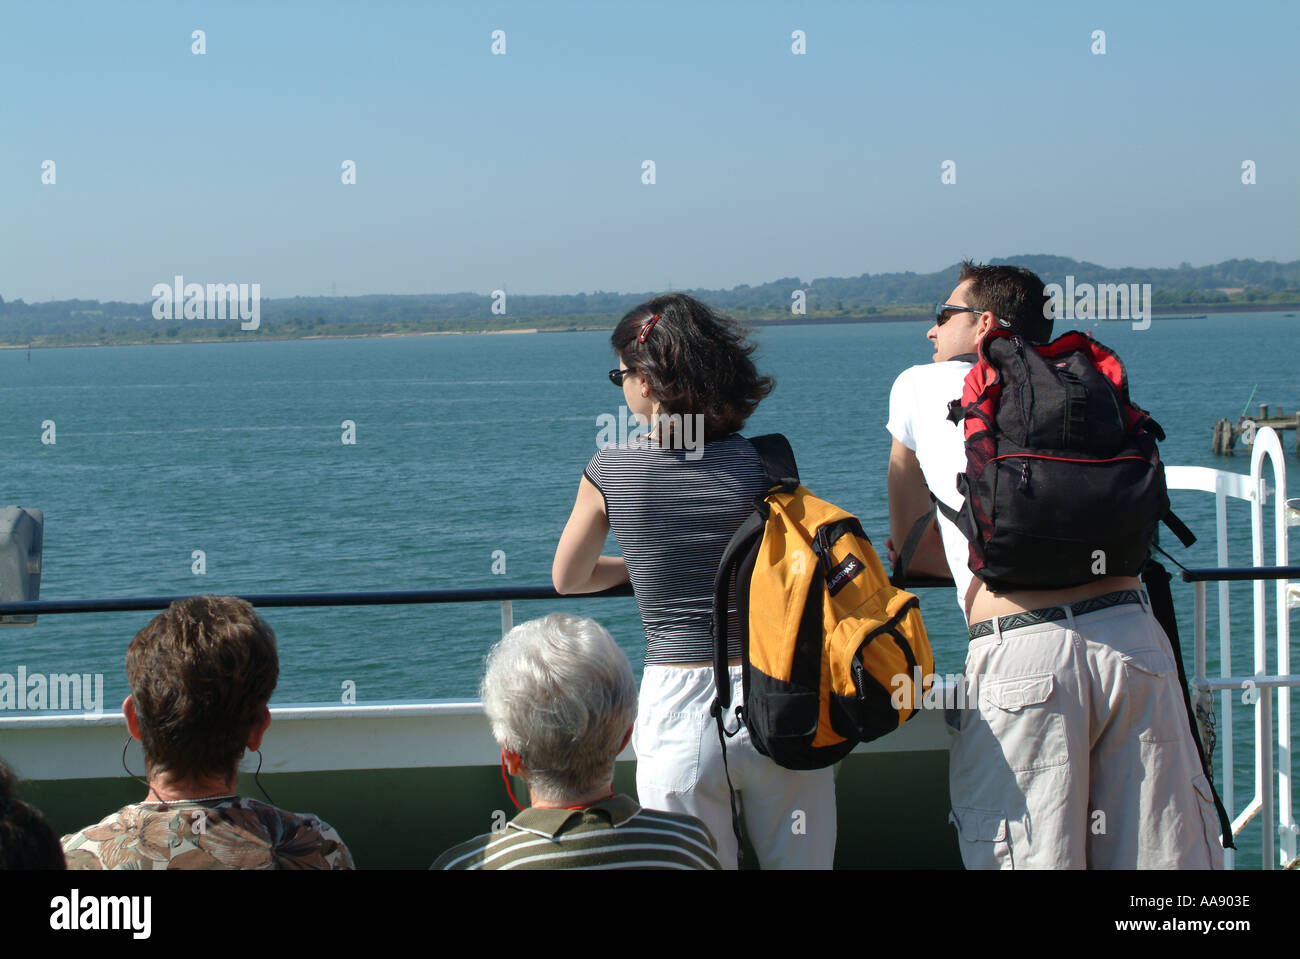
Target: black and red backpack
pixel 1063 481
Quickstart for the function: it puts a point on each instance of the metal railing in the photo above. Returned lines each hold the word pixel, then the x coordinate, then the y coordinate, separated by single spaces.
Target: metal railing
pixel 393 597
pixel 1277 818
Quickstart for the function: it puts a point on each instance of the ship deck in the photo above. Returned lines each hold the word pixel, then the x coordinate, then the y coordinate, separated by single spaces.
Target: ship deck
pixel 401 782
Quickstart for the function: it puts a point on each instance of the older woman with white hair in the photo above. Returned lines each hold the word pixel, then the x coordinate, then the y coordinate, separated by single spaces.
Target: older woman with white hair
pixel 562 700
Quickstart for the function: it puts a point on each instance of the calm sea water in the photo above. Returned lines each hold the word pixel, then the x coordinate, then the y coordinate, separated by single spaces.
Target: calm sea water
pixel 466 445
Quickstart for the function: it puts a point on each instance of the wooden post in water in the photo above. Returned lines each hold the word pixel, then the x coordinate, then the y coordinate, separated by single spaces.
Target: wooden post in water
pixel 1225 435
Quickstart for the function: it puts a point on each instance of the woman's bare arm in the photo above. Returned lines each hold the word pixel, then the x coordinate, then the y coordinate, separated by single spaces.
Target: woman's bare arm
pixel 578 565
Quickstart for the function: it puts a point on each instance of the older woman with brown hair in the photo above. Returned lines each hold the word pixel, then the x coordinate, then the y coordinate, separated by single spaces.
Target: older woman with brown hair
pixel 201 675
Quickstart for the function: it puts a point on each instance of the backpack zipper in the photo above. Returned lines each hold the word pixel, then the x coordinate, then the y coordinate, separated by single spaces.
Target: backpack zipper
pixel 1024 379
pixel 1060 459
pixel 887 628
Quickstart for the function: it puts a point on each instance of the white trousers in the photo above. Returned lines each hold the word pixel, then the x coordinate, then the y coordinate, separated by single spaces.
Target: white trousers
pixel 789 814
pixel 1074 751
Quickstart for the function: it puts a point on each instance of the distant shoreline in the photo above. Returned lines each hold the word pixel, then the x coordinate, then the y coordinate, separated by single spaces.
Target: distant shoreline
pixel 1184 314
pixel 754 325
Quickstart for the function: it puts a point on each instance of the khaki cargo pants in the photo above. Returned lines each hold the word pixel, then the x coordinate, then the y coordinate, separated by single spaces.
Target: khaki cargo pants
pixel 1074 752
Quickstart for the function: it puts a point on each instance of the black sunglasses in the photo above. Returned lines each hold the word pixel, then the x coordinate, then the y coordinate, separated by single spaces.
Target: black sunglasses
pixel 946 311
pixel 616 376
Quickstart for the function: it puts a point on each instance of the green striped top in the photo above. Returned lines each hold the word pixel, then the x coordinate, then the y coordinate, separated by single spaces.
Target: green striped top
pixel 613 834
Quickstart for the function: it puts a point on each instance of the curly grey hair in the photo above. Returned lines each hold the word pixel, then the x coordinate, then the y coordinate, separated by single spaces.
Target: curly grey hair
pixel 560 693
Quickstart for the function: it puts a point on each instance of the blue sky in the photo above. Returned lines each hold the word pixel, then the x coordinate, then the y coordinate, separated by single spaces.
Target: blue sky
pixel 523 171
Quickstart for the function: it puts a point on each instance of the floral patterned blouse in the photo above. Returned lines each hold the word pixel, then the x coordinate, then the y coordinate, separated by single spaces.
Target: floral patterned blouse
pixel 223 833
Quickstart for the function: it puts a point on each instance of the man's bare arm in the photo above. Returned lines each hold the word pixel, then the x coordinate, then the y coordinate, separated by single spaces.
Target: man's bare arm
pixel 909 500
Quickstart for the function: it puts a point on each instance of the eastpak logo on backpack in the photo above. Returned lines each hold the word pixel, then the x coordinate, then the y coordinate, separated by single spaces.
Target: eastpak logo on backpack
pixel 824 636
pixel 1063 483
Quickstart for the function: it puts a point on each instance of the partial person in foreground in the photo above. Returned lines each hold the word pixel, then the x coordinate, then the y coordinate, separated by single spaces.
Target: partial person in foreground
pixel 201 676
pixel 26 839
pixel 561 698
pixel 1074 750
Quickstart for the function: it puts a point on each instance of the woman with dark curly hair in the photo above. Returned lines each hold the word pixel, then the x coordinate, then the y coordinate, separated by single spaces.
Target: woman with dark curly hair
pixel 673 498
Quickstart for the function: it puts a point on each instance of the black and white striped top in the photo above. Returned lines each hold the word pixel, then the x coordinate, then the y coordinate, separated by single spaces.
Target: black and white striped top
pixel 673 516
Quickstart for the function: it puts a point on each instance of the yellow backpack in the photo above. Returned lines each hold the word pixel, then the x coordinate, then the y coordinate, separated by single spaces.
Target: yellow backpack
pixel 832 654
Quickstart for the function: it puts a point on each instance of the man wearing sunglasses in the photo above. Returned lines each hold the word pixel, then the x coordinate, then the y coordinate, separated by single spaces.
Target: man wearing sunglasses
pixel 928 450
pixel 1073 749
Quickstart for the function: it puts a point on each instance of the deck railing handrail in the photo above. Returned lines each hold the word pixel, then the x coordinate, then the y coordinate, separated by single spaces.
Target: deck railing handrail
pixel 1224 574
pixel 391 597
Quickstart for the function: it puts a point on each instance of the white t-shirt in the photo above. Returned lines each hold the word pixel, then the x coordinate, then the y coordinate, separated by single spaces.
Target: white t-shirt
pixel 918 418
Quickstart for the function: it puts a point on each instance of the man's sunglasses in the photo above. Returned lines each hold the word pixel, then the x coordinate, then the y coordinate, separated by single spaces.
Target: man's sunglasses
pixel 946 311
pixel 616 376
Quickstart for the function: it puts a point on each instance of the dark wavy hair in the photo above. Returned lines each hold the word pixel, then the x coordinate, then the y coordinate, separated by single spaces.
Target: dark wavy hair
pixel 26 839
pixel 694 360
pixel 201 673
pixel 1014 295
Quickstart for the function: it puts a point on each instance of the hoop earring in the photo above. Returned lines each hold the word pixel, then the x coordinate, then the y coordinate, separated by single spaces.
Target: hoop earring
pixel 126 745
pixel 257 780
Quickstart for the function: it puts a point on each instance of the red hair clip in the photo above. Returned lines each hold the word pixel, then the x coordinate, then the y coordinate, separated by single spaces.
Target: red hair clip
pixel 645 330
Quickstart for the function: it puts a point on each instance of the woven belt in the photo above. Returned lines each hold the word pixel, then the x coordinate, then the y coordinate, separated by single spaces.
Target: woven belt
pixel 1050 614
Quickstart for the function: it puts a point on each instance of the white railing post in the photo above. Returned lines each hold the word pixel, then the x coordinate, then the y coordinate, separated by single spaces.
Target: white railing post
pixel 507 617
pixel 1277 819
pixel 1291 593
pixel 1275 809
pixel 1263 702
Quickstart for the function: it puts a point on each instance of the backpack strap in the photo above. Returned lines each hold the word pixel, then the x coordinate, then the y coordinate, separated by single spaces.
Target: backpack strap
pixel 956 412
pixel 949 513
pixel 751 530
pixel 716 709
pixel 781 473
pixel 737 549
pixel 1076 407
pixel 899 576
pixel 1156 579
pixel 778 461
pixel 1179 529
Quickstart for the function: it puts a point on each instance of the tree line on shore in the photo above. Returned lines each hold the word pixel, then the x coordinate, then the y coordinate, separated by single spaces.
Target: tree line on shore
pixel 64 322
